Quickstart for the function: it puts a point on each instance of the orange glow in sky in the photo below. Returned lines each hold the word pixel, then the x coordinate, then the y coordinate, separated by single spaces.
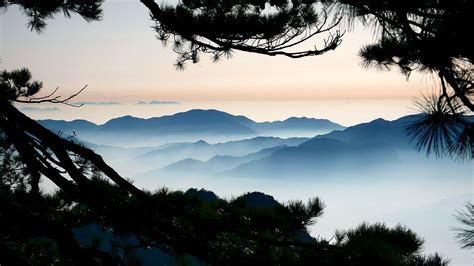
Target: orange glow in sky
pixel 121 60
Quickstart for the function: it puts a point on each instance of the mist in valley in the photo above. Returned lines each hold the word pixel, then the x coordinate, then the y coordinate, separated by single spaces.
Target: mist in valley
pixel 364 173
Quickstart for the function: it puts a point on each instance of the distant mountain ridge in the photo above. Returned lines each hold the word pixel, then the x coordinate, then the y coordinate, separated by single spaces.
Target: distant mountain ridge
pixel 362 148
pixel 193 125
pixel 365 149
pixel 366 145
pixel 217 163
pixel 68 127
pixel 295 124
pixel 201 154
pixel 195 121
pixel 156 102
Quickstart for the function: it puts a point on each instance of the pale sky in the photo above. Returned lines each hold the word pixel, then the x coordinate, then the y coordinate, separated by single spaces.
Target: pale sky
pixel 121 60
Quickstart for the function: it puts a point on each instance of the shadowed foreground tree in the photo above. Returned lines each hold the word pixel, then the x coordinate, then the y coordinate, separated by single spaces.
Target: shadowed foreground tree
pixel 39 227
pixel 38 12
pixel 256 26
pixel 431 36
pixel 465 233
pixel 424 35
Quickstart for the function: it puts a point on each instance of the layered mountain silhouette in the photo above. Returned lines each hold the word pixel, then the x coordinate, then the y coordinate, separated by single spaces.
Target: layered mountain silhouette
pixel 116 153
pixel 374 155
pixel 218 157
pixel 217 163
pixel 69 127
pixel 379 145
pixel 296 126
pixel 368 148
pixel 191 126
pixel 356 148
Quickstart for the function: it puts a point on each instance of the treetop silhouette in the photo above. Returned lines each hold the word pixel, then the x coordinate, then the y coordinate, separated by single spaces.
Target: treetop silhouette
pixel 218 232
pixel 39 11
pixel 218 27
pixel 428 36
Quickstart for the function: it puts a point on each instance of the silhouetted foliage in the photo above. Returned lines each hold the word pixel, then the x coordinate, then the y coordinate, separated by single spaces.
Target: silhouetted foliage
pixel 17 86
pixel 379 245
pixel 264 27
pixel 425 35
pixel 216 232
pixel 251 229
pixel 465 233
pixel 39 11
pixel 439 131
pixel 36 227
pixel 429 36
pixel 13 172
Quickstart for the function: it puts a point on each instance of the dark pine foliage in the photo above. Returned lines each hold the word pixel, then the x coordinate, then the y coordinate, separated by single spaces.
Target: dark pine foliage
pixel 39 230
pixel 465 233
pixel 252 229
pixel 36 227
pixel 431 36
pixel 426 35
pixel 263 27
pixel 39 11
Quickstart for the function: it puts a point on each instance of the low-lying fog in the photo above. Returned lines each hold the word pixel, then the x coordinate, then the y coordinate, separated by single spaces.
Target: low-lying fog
pixel 364 173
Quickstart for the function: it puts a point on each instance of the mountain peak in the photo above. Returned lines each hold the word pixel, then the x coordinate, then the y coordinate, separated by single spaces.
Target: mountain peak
pixel 196 115
pixel 127 121
pixel 193 125
pixel 201 142
pixel 123 118
pixel 296 118
pixel 379 120
pixel 202 112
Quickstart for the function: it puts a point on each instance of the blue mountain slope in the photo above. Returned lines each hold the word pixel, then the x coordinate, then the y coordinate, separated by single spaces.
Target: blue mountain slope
pixel 203 151
pixel 67 127
pixel 215 164
pixel 124 123
pixel 190 126
pixel 378 130
pixel 114 154
pixel 359 148
pixel 194 121
pixel 299 123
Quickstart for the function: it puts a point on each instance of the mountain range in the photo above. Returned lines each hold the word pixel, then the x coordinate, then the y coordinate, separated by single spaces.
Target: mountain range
pixel 379 147
pixel 370 149
pixel 359 147
pixel 218 163
pixel 190 126
pixel 370 166
pixel 226 153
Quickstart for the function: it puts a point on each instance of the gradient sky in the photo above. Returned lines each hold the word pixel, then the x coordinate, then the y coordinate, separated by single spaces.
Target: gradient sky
pixel 121 60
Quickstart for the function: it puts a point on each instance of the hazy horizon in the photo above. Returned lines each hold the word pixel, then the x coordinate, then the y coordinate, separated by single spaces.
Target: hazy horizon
pixel 363 175
pixel 375 162
pixel 344 112
pixel 121 60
